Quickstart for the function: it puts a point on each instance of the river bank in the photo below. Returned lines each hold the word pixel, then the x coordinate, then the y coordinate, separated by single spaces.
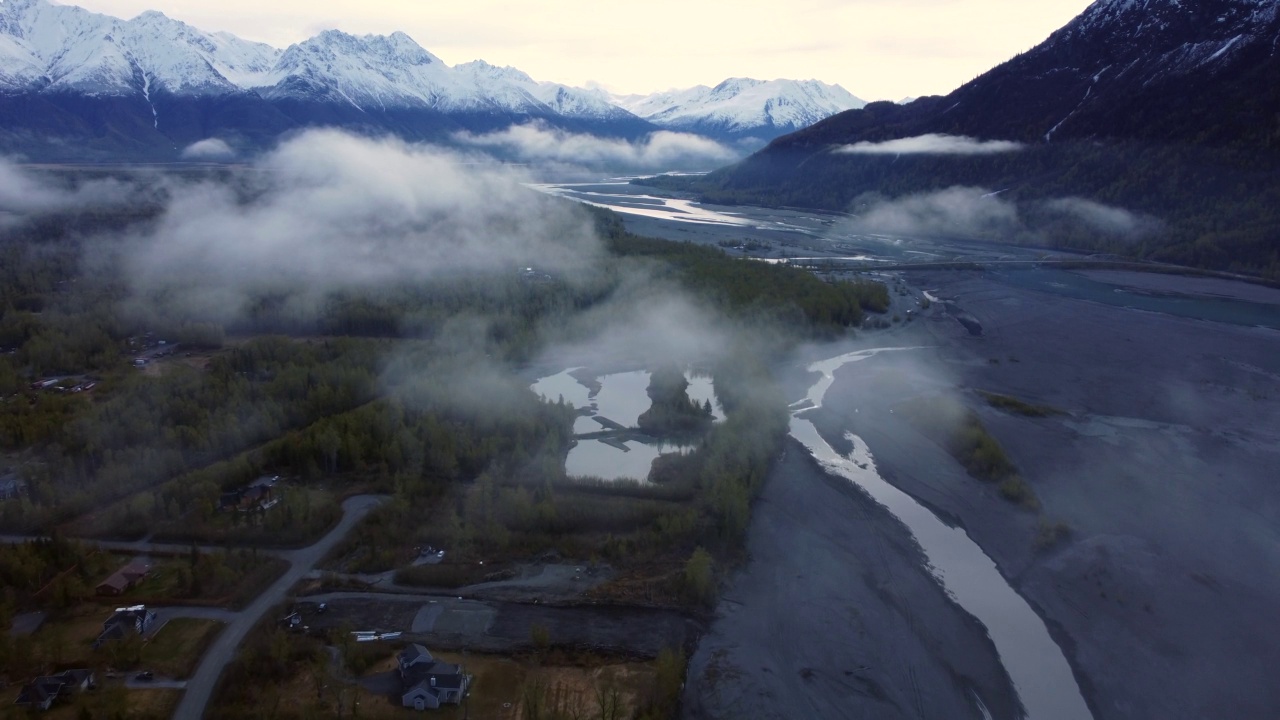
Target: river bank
pixel 836 617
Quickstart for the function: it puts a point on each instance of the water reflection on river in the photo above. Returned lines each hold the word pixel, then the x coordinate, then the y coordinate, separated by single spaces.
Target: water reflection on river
pixel 616 404
pixel 1036 665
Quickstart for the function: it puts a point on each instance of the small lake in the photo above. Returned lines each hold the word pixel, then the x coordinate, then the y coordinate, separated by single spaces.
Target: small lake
pixel 618 401
pixel 623 397
pixel 563 386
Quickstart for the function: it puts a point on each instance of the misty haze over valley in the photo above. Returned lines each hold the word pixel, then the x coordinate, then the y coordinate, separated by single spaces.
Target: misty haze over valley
pixel 336 380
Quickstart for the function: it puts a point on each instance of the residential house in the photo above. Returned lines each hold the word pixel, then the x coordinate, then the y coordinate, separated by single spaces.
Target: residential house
pixel 137 619
pixel 124 578
pixel 257 495
pixel 42 692
pixel 427 683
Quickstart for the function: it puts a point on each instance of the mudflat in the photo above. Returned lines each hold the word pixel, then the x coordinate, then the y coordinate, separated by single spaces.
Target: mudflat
pixel 1161 463
pixel 836 617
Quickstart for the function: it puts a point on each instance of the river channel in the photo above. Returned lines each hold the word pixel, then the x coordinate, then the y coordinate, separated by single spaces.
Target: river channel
pixel 1036 665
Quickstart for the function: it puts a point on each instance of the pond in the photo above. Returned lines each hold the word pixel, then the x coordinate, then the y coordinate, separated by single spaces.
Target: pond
pixel 616 405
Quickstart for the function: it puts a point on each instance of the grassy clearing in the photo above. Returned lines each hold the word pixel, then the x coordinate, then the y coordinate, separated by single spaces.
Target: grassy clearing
pixel 1015 406
pixel 65 640
pixel 177 648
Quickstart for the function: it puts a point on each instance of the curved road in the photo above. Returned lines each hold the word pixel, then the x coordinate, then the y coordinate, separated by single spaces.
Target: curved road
pixel 201 684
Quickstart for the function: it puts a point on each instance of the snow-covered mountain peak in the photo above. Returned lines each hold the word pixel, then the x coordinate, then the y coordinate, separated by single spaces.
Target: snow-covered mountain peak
pixel 743 106
pixel 736 85
pixel 482 69
pixel 62 48
pixel 396 48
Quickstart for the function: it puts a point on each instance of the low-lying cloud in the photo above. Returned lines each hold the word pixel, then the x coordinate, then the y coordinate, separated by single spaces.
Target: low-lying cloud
pixel 537 143
pixel 329 211
pixel 25 193
pixel 932 144
pixel 980 213
pixel 212 149
pixel 1103 218
pixel 956 211
pixel 647 322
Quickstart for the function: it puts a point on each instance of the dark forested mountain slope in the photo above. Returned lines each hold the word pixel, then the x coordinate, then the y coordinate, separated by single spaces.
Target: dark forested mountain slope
pixel 1169 107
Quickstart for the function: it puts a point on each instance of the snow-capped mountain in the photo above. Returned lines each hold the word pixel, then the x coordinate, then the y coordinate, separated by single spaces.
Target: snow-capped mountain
pixel 742 107
pixel 372 72
pixel 74 82
pixel 60 48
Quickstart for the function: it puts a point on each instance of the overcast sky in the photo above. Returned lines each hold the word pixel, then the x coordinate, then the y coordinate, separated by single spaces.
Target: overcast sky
pixel 876 49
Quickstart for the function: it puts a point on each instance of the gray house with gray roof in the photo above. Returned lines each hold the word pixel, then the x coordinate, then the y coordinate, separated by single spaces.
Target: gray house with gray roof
pixel 427 683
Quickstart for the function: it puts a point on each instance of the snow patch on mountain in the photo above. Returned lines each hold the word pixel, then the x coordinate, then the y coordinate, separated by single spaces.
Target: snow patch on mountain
pixel 1178 37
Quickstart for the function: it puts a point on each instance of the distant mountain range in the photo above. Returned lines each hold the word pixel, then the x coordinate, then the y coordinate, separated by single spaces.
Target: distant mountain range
pixel 1167 107
pixel 78 85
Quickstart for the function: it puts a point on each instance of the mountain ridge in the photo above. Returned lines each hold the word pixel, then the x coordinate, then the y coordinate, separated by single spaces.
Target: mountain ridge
pixel 76 84
pixel 1165 107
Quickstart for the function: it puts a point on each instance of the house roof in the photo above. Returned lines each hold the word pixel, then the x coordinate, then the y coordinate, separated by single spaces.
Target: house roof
pixel 129 615
pixel 45 688
pixel 76 676
pixel 452 681
pixel 423 687
pixel 135 569
pixel 35 694
pixel 117 581
pixel 414 654
pixel 121 579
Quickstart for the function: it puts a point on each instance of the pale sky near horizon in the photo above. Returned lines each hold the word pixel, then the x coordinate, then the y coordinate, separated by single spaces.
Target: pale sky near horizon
pixel 876 49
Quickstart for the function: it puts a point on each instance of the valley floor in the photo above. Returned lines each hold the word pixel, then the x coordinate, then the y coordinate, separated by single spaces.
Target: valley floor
pixel 1162 465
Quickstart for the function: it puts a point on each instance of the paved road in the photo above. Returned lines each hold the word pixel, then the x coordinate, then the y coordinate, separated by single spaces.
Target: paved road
pixel 201 684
